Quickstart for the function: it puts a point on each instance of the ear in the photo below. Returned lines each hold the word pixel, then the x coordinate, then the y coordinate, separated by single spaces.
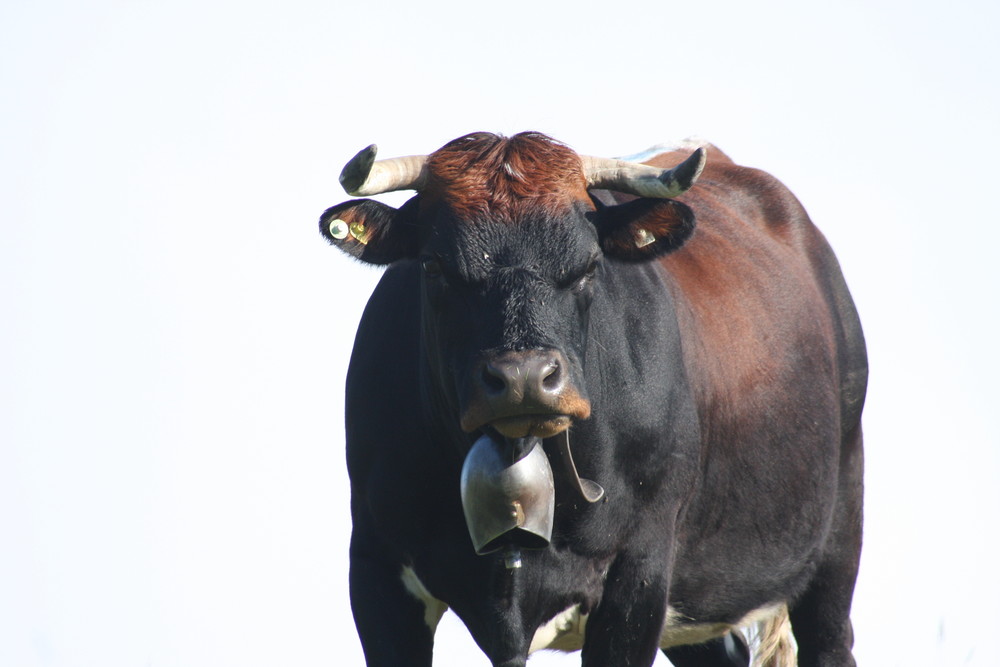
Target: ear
pixel 372 231
pixel 643 229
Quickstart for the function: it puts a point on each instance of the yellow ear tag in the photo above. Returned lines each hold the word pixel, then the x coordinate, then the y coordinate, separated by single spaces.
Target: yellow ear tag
pixel 339 229
pixel 359 232
pixel 643 238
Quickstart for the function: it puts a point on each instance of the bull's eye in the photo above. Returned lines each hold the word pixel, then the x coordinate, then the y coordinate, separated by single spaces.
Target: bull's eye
pixel 431 267
pixel 584 278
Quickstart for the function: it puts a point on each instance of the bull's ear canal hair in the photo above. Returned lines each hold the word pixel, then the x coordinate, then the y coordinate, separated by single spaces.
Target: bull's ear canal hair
pixel 371 231
pixel 643 229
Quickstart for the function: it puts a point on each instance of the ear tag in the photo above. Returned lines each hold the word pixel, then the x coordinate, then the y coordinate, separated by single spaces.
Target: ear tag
pixel 359 232
pixel 643 238
pixel 339 229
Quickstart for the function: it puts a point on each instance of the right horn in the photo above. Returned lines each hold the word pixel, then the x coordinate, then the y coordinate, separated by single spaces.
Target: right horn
pixel 643 180
pixel 363 176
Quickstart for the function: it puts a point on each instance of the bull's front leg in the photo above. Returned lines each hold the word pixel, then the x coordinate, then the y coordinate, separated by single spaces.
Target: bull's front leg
pixel 624 629
pixel 395 618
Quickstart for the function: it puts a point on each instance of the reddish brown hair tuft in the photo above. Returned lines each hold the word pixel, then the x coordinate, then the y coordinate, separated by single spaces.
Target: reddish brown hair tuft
pixel 487 175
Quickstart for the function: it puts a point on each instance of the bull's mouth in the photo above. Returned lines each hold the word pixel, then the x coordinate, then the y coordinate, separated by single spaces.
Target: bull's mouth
pixel 535 421
pixel 539 426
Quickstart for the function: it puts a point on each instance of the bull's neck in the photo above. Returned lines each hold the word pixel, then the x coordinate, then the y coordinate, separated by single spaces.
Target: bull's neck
pixel 633 337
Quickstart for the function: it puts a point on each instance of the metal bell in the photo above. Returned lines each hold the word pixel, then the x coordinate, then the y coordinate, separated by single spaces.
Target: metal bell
pixel 508 504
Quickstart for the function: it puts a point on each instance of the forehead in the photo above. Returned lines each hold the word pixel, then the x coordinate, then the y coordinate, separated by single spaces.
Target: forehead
pixel 560 238
pixel 515 180
pixel 554 247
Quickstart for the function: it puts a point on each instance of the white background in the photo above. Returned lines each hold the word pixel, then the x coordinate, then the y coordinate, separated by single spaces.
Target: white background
pixel 174 332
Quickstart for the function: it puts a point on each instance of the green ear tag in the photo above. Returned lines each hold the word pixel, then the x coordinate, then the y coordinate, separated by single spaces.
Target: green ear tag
pixel 643 238
pixel 359 232
pixel 339 229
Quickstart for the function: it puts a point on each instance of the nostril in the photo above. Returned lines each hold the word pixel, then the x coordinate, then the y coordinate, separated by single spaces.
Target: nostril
pixel 493 379
pixel 552 377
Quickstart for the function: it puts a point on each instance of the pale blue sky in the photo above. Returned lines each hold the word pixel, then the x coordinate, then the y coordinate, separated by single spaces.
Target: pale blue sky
pixel 175 333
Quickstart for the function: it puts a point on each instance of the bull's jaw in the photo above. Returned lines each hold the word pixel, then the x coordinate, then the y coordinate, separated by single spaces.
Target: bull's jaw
pixel 539 426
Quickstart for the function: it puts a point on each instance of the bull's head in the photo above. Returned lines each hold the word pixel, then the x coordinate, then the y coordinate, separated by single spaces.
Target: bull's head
pixel 512 249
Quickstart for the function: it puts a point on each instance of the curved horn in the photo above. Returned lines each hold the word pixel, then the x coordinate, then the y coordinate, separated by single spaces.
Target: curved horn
pixel 641 179
pixel 363 176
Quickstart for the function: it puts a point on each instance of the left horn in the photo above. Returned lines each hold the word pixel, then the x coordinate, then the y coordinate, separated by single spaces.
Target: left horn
pixel 641 179
pixel 364 176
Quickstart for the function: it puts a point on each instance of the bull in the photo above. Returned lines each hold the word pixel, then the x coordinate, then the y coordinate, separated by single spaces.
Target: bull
pixel 599 405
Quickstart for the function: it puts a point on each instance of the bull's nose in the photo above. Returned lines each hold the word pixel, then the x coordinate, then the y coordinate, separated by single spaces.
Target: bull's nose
pixel 531 378
pixel 524 392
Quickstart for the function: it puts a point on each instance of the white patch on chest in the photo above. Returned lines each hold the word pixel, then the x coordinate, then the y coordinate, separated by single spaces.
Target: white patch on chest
pixel 433 608
pixel 565 632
